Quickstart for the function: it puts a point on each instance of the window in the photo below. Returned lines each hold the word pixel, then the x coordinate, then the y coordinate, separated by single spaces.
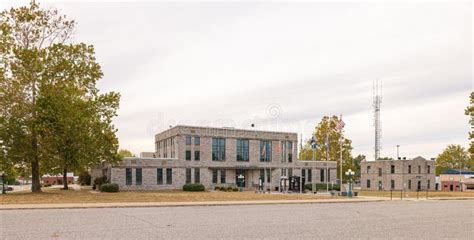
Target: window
pixel 290 151
pixel 197 155
pixel 269 176
pixel 262 175
pixel 321 173
pixel 303 173
pixel 222 176
pixel 265 151
pixel 428 169
pixel 138 176
pixel 409 184
pixel 214 176
pixel 159 176
pixel 243 150
pixel 409 168
pixel 128 176
pixel 188 175
pixel 310 175
pixel 368 183
pixel 188 155
pixel 380 172
pixel 428 183
pixel 290 172
pixel 419 169
pixel 392 184
pixel 392 169
pixel 419 185
pixel 368 169
pixel 188 140
pixel 197 140
pixel 380 185
pixel 283 172
pixel 218 149
pixel 197 175
pixel 169 176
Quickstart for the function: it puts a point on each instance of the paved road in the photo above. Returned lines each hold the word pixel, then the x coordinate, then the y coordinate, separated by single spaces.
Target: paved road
pixel 376 220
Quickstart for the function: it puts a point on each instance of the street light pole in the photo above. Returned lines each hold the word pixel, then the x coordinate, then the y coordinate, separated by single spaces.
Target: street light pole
pixel 349 174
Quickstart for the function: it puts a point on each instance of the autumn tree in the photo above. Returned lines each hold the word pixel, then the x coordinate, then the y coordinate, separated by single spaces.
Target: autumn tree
pixel 125 153
pixel 470 112
pixel 327 129
pixel 454 156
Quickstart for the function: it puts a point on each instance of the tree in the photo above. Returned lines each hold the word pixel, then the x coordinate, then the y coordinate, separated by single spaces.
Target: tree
pixel 125 153
pixel 25 34
pixel 355 165
pixel 327 128
pixel 454 156
pixel 470 112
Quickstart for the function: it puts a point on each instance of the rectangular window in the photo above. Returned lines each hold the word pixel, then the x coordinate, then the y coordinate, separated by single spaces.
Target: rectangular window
pixel 392 169
pixel 222 176
pixel 368 169
pixel 290 172
pixel 290 151
pixel 188 175
pixel 303 173
pixel 197 155
pixel 128 176
pixel 409 184
pixel 214 176
pixel 243 150
pixel 321 173
pixel 159 176
pixel 197 175
pixel 310 175
pixel 368 183
pixel 262 175
pixel 409 168
pixel 380 172
pixel 428 169
pixel 265 151
pixel 428 183
pixel 392 184
pixel 188 155
pixel 419 185
pixel 138 176
pixel 188 140
pixel 218 149
pixel 169 176
pixel 283 172
pixel 419 169
pixel 380 185
pixel 197 140
pixel 283 151
pixel 269 176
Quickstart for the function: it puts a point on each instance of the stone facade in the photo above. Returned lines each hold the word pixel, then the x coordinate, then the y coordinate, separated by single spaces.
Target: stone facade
pixel 409 175
pixel 183 149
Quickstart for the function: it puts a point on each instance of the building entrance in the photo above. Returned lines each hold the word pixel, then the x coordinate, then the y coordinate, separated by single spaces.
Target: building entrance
pixel 242 172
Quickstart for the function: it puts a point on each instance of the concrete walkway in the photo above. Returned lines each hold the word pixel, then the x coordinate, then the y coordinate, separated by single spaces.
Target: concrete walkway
pixel 183 204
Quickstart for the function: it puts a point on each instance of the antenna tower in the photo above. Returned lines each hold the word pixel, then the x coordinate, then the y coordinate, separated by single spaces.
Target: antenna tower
pixel 377 98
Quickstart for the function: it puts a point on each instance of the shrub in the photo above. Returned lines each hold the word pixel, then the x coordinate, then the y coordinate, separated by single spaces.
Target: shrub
pixel 109 187
pixel 99 181
pixel 217 188
pixel 84 178
pixel 193 187
pixel 322 186
pixel 234 189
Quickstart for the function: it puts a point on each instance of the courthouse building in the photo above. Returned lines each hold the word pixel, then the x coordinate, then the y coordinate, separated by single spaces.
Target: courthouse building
pixel 407 174
pixel 217 157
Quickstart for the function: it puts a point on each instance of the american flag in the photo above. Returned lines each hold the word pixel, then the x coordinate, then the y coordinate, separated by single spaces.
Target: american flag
pixel 340 125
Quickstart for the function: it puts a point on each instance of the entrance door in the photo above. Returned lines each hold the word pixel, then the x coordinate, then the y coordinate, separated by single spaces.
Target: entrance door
pixel 242 172
pixel 451 187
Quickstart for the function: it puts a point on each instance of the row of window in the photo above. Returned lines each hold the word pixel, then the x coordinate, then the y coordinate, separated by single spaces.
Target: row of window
pixel 392 184
pixel 197 175
pixel 197 155
pixel 392 169
pixel 138 176
pixel 215 176
pixel 242 151
pixel 189 140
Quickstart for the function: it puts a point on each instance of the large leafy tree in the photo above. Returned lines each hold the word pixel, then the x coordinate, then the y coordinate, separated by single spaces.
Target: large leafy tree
pixel 125 153
pixel 327 129
pixel 52 110
pixel 470 112
pixel 454 156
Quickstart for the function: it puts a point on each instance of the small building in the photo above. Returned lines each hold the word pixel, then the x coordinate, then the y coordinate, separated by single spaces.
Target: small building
pixel 457 180
pixel 403 174
pixel 220 157
pixel 57 179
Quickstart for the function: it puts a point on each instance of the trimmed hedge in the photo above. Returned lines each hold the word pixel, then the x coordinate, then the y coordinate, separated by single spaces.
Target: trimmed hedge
pixel 109 187
pixel 322 186
pixel 193 187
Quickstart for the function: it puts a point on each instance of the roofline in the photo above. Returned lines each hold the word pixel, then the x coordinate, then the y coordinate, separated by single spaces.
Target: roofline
pixel 226 128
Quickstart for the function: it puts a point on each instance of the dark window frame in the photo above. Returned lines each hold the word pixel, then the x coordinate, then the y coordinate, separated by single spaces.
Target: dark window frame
pixel 197 155
pixel 128 176
pixel 138 176
pixel 159 176
pixel 188 175
pixel 188 155
pixel 197 140
pixel 188 140
pixel 197 175
pixel 169 176
pixel 266 156
pixel 218 149
pixel 242 151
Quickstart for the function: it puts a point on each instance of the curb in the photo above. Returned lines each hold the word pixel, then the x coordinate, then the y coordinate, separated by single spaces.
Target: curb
pixel 171 204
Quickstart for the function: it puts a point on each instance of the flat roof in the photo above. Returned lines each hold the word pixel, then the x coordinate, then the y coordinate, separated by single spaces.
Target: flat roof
pixel 226 128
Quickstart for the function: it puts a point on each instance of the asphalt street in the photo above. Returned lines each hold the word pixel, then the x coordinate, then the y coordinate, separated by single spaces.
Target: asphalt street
pixel 371 220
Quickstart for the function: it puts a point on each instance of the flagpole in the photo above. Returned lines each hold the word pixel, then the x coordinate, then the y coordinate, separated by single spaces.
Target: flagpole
pixel 327 159
pixel 340 155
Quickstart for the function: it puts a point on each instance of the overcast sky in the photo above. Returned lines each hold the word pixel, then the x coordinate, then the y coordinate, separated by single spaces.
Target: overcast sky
pixel 283 66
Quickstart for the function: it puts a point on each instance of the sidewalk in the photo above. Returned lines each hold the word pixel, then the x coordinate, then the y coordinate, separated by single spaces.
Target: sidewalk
pixel 180 204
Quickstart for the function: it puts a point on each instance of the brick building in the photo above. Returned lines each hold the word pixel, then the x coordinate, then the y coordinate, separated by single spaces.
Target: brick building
pixel 407 174
pixel 457 180
pixel 216 157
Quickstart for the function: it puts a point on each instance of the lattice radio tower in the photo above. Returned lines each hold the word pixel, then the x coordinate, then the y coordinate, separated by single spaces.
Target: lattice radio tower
pixel 377 95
